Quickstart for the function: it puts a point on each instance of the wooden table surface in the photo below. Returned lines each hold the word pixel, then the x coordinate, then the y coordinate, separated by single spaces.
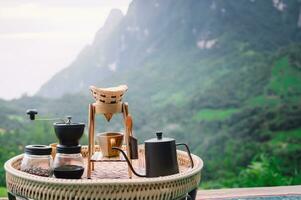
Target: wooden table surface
pixel 249 192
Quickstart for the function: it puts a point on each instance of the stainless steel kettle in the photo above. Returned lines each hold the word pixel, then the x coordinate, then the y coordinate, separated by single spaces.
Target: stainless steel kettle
pixel 160 157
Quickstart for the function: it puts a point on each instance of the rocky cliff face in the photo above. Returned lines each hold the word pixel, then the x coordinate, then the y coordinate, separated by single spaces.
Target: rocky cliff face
pixel 156 34
pixel 89 64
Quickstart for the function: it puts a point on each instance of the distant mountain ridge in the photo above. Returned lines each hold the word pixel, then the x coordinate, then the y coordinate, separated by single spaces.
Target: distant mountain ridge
pixel 162 30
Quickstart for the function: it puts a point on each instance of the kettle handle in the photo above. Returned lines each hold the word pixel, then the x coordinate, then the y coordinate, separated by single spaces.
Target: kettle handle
pixel 188 152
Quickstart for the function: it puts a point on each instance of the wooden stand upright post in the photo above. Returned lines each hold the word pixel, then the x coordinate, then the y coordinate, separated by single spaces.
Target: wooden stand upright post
pixel 108 110
pixel 127 131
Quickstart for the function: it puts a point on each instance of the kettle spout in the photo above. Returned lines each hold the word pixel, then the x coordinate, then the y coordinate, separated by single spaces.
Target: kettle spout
pixel 128 161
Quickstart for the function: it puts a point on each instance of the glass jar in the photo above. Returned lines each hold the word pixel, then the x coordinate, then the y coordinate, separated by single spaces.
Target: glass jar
pixel 68 162
pixel 37 160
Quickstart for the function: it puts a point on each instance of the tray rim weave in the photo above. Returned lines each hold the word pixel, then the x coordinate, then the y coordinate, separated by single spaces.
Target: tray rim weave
pixel 198 165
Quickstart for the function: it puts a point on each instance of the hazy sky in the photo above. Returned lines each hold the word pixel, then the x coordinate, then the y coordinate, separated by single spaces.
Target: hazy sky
pixel 39 38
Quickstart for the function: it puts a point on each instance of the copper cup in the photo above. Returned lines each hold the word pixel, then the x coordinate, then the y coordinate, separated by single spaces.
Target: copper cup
pixel 107 140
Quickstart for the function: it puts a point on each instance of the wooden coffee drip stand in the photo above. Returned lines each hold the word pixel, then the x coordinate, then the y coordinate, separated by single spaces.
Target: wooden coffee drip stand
pixel 108 102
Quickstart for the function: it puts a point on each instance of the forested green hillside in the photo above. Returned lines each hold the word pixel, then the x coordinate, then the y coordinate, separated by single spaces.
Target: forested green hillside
pixel 223 76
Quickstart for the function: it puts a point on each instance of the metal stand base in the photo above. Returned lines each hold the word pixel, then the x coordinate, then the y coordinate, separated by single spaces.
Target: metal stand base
pixel 193 193
pixel 190 196
pixel 11 196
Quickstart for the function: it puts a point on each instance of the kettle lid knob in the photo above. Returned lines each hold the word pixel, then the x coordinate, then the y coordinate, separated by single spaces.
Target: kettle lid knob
pixel 32 113
pixel 159 139
pixel 159 135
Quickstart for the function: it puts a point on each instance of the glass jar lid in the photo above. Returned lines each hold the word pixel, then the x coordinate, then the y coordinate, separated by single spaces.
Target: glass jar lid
pixel 68 149
pixel 37 149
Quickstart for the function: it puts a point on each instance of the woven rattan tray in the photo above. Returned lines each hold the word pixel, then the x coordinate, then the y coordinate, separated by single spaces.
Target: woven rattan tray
pixel 109 181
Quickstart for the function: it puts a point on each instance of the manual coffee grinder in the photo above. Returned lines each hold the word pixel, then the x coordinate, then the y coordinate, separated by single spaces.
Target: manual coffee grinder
pixel 68 162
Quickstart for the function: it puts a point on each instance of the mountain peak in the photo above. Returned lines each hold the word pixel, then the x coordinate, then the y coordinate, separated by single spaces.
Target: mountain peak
pixel 153 31
pixel 112 21
pixel 114 17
